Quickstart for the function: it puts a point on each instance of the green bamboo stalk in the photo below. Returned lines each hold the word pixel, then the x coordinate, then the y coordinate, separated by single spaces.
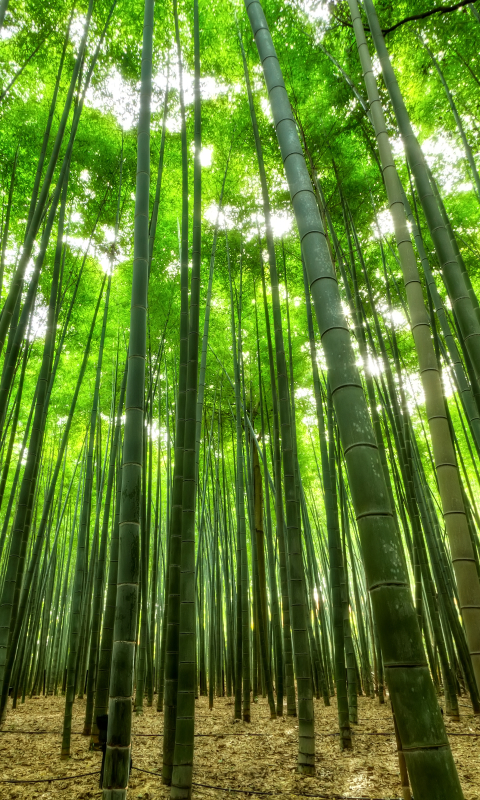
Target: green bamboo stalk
pixel 21 525
pixel 117 760
pixel 350 659
pixel 181 781
pixel 163 641
pixel 464 388
pixel 90 718
pixel 456 280
pixel 106 646
pixel 280 521
pixel 337 583
pixel 158 189
pixel 458 120
pixel 3 11
pixel 37 547
pixel 444 453
pixel 13 431
pixel 43 37
pixel 274 599
pixel 306 741
pixel 35 221
pixel 261 579
pixel 175 536
pixel 330 501
pixel 82 584
pixel 409 681
pixel 17 279
pixel 62 588
pixel 242 666
pixel 6 227
pixel 206 324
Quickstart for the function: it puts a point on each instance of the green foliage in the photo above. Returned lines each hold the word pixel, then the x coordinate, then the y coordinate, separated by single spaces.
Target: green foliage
pixel 336 130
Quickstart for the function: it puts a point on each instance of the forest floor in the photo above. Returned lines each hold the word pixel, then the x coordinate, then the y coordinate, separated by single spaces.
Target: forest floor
pixel 228 755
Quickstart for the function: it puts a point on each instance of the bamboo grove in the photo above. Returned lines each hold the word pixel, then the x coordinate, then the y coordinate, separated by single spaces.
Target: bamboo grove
pixel 240 381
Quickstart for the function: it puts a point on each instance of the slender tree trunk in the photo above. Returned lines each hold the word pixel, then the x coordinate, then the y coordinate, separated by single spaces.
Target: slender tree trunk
pixel 408 677
pixel 118 753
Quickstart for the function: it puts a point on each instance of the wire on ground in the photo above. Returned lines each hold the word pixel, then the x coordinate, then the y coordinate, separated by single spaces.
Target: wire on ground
pixel 236 735
pixel 322 796
pixel 48 780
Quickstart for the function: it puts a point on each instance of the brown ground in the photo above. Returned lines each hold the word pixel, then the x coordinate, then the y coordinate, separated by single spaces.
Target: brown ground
pixel 265 763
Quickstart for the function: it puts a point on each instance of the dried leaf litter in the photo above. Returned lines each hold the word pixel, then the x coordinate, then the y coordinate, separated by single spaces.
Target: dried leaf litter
pixel 226 754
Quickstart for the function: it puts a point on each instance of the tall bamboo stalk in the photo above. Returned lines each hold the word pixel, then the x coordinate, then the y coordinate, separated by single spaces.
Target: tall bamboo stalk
pixel 117 760
pixel 408 677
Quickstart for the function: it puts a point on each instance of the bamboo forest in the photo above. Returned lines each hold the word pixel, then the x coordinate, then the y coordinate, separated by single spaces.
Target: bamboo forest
pixel 240 399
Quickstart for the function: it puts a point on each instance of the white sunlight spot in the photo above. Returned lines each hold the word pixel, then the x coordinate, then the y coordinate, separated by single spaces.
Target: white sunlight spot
pixel 414 392
pixel 317 10
pixel 155 431
pixel 11 256
pixel 304 393
pixel 321 360
pixel 351 105
pixel 7 33
pixel 385 223
pixel 397 146
pixel 104 260
pixel 317 13
pixel 346 310
pixel 206 155
pixel 211 213
pixel 398 318
pixel 282 222
pixel 109 233
pixel 446 159
pixel 38 327
pixel 396 315
pixel 464 187
pixel 102 252
pixel 107 253
pixel 173 268
pixel 29 271
pixel 377 68
pixel 265 106
pixel 227 217
pixel 210 88
pixel 375 365
pixel 448 386
pixel 116 97
pixel 77 29
pixel 78 243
